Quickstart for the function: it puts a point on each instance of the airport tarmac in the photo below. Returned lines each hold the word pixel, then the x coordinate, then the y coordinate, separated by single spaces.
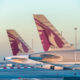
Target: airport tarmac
pixel 37 73
pixel 35 79
pixel 8 71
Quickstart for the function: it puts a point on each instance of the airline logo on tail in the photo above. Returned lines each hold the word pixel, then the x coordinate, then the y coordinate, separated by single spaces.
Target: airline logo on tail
pixel 51 39
pixel 18 46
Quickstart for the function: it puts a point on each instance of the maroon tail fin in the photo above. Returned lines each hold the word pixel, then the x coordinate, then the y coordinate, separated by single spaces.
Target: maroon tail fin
pixel 51 39
pixel 18 46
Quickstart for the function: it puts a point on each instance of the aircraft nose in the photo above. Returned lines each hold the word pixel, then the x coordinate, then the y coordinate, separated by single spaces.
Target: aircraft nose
pixel 6 58
pixel 34 57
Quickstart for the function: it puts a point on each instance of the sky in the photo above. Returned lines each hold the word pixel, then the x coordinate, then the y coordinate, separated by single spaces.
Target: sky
pixel 18 15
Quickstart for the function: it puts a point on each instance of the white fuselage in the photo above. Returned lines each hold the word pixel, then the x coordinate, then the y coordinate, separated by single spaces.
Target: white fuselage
pixel 64 58
pixel 23 59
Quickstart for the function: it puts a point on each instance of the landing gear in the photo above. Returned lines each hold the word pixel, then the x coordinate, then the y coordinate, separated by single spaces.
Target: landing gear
pixel 52 67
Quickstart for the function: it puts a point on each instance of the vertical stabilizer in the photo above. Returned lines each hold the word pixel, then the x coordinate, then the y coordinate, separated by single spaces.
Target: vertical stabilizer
pixel 18 46
pixel 51 39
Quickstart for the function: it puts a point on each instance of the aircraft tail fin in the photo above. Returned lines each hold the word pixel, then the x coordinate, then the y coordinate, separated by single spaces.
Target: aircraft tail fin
pixel 17 44
pixel 51 39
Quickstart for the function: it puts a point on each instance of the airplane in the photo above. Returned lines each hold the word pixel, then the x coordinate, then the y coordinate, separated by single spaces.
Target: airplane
pixel 58 51
pixel 20 50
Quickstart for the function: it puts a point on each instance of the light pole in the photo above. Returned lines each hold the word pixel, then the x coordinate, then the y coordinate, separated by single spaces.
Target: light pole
pixel 75 37
pixel 61 33
pixel 32 43
pixel 75 43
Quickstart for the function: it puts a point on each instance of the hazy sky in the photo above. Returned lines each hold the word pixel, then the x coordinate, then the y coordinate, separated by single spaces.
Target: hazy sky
pixel 17 14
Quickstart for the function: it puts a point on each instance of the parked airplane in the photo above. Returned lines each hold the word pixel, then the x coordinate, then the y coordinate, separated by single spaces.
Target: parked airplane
pixel 59 51
pixel 20 50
